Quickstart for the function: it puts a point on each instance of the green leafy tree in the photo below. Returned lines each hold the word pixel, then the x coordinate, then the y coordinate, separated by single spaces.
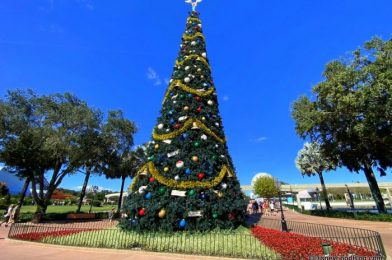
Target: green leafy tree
pixel 122 162
pixel 265 187
pixel 311 161
pixel 3 189
pixel 351 114
pixel 40 137
pixel 189 182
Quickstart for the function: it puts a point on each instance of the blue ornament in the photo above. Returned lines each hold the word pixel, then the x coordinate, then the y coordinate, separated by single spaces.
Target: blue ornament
pixel 171 112
pixel 184 136
pixel 190 95
pixel 182 223
pixel 133 221
pixel 205 84
pixel 171 121
pixel 147 196
pixel 203 196
pixel 188 171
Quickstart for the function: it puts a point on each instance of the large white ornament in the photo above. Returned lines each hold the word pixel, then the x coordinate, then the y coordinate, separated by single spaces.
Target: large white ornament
pixel 204 137
pixel 187 80
pixel 160 126
pixel 210 102
pixel 173 153
pixel 224 185
pixel 183 118
pixel 193 43
pixel 142 189
pixel 187 68
pixel 176 178
pixel 204 55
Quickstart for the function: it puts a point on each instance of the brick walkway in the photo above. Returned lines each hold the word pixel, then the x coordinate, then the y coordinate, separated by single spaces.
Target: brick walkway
pixel 384 228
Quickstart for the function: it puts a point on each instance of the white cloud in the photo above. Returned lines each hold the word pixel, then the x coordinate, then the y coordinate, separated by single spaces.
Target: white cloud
pixel 226 98
pixel 153 76
pixel 89 188
pixel 88 4
pixel 261 139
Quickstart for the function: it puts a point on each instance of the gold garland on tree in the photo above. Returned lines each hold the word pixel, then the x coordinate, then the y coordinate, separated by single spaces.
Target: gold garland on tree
pixel 178 84
pixel 189 123
pixel 181 184
pixel 193 37
pixel 198 58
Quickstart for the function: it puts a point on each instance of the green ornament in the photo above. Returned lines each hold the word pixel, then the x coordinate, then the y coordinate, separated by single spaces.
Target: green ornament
pixel 214 157
pixel 162 190
pixel 192 193
pixel 196 144
pixel 151 158
pixel 182 96
pixel 215 215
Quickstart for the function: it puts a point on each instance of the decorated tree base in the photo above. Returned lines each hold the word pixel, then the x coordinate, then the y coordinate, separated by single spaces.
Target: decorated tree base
pixel 189 182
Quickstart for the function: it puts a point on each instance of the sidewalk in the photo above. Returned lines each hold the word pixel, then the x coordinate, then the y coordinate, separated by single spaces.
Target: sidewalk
pixel 384 228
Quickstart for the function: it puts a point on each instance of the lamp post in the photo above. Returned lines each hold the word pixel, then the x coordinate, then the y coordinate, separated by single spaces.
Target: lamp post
pixel 282 219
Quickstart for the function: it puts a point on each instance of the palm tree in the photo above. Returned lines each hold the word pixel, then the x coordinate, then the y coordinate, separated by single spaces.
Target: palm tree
pixel 311 161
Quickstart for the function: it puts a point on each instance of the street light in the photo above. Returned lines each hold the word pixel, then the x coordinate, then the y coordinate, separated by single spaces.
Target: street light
pixel 282 219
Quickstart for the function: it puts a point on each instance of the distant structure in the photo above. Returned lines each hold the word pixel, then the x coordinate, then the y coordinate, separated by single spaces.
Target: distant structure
pixel 13 183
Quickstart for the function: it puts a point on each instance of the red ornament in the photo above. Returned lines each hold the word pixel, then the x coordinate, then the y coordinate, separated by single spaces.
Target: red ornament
pixel 200 175
pixel 231 216
pixel 198 98
pixel 199 109
pixel 177 126
pixel 152 179
pixel 142 212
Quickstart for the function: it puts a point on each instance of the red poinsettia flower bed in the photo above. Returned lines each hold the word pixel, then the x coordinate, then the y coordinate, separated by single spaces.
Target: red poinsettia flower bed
pixel 37 236
pixel 296 246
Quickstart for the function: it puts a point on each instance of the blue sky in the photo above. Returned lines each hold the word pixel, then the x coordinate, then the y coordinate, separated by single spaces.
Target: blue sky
pixel 119 55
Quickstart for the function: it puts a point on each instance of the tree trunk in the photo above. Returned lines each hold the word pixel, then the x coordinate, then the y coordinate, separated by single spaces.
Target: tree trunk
pixel 325 193
pixel 375 190
pixel 121 193
pixel 23 192
pixel 83 192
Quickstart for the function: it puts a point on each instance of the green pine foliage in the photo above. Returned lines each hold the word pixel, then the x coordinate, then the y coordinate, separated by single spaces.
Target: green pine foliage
pixel 188 153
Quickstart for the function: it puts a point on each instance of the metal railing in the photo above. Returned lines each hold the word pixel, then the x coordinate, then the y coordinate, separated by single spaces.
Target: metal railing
pixel 368 239
pixel 237 244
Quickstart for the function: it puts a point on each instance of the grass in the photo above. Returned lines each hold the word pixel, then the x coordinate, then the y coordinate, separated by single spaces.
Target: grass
pixel 237 243
pixel 66 209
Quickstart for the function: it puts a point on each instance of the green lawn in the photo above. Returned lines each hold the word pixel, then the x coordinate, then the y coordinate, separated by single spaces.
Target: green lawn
pixel 233 243
pixel 65 209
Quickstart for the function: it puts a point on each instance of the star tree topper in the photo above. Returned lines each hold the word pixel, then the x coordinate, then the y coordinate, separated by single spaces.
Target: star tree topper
pixel 194 3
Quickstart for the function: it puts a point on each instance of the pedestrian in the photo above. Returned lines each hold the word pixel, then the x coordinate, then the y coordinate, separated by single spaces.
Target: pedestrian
pixel 14 215
pixel 7 215
pixel 265 207
pixel 255 207
pixel 111 214
pixel 272 208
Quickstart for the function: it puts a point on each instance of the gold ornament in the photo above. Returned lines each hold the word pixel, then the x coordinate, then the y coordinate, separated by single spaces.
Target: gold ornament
pixel 162 213
pixel 220 194
pixel 166 169
pixel 186 108
pixel 156 146
pixel 195 158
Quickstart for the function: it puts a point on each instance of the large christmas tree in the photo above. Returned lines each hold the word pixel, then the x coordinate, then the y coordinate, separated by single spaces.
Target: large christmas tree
pixel 189 182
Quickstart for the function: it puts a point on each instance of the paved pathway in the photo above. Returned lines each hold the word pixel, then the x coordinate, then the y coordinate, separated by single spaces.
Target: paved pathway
pixel 384 228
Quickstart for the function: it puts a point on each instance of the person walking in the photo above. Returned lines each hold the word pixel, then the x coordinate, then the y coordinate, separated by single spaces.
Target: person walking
pixel 111 214
pixel 7 215
pixel 265 207
pixel 272 208
pixel 14 215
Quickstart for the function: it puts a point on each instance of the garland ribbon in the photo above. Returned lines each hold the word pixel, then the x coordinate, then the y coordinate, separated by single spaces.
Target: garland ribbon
pixel 177 84
pixel 198 57
pixel 181 184
pixel 194 19
pixel 193 37
pixel 191 122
